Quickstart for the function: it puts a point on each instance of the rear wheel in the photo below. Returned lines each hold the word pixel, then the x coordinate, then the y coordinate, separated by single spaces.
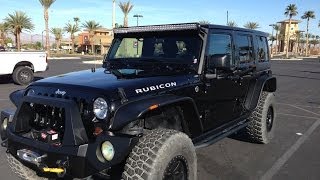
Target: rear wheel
pixel 162 154
pixel 262 120
pixel 22 75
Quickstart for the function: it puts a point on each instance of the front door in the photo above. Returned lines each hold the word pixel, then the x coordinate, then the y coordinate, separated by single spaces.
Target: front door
pixel 221 97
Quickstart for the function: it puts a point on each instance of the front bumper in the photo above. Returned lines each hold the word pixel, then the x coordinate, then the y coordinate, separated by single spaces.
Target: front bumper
pixel 77 155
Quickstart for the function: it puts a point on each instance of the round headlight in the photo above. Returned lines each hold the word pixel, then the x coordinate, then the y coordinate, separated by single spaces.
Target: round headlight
pixel 107 150
pixel 100 108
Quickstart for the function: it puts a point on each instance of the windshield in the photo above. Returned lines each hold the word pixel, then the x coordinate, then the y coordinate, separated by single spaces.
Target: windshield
pixel 155 55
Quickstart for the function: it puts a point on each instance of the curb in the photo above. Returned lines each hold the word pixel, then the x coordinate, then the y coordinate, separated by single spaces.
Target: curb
pixel 54 58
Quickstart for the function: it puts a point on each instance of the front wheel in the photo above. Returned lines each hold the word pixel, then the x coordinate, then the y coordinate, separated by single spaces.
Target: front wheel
pixel 162 154
pixel 22 75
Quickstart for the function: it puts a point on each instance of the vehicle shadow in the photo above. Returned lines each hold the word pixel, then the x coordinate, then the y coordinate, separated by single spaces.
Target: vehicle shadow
pixel 6 79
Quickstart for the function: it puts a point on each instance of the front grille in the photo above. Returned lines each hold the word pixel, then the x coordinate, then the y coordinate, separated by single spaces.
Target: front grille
pixel 47 117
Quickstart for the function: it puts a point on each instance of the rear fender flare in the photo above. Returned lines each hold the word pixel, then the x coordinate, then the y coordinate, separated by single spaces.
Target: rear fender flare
pixel 256 86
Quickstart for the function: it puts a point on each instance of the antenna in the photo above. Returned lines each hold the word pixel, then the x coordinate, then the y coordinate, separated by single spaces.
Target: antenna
pixel 227 17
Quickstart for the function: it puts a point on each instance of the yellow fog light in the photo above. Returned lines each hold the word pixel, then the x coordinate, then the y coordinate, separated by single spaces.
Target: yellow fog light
pixel 107 150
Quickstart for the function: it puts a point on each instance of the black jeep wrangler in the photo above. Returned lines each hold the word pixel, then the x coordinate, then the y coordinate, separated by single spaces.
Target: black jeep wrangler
pixel 163 90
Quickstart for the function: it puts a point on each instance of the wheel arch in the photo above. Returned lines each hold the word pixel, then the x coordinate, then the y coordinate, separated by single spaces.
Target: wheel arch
pixel 264 83
pixel 137 110
pixel 24 63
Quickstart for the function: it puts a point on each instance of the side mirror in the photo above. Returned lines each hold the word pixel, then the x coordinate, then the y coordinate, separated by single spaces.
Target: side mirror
pixel 220 62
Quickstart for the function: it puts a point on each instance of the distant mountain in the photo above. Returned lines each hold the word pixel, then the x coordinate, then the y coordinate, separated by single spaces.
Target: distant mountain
pixel 27 38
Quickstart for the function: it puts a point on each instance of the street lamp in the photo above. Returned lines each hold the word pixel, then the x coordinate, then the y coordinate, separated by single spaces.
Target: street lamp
pixel 113 14
pixel 137 16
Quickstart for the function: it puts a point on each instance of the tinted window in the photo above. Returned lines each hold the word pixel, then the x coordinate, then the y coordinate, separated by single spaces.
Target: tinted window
pixel 220 45
pixel 262 49
pixel 245 49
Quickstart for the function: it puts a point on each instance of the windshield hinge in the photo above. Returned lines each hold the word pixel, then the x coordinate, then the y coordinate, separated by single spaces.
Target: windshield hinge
pixel 122 95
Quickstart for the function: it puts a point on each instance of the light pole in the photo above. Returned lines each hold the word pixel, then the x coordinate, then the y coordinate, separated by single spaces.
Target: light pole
pixel 113 13
pixel 137 16
pixel 272 25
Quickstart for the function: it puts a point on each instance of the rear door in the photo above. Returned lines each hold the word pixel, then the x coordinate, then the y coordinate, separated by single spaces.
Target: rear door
pixel 245 66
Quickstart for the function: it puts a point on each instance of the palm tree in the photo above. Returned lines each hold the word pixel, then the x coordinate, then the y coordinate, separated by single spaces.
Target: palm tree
pixel 76 20
pixel 276 27
pixel 91 26
pixel 290 11
pixel 308 15
pixel 125 7
pixel 252 25
pixel 3 33
pixel 57 32
pixel 232 24
pixel 46 4
pixel 17 22
pixel 72 28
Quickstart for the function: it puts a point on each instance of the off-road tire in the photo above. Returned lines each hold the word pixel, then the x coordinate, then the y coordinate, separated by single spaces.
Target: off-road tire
pixel 155 150
pixel 21 170
pixel 22 75
pixel 257 129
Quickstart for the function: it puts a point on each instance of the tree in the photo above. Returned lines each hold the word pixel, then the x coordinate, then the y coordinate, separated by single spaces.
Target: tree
pixel 46 4
pixel 308 15
pixel 291 10
pixel 125 7
pixel 3 33
pixel 204 22
pixel 276 27
pixel 252 25
pixel 232 24
pixel 76 20
pixel 17 22
pixel 57 32
pixel 91 26
pixel 72 28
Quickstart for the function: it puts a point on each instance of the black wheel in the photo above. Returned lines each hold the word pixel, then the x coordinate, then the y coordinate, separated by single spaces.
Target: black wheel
pixel 162 154
pixel 22 75
pixel 261 126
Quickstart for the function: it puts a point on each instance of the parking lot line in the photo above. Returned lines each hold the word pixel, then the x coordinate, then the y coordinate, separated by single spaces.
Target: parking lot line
pixel 293 115
pixel 318 107
pixel 286 156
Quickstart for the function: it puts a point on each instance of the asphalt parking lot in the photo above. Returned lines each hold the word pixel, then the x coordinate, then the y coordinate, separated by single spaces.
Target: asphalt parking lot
pixel 293 154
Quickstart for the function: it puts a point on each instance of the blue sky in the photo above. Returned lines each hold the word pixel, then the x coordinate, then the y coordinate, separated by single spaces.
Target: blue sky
pixel 264 12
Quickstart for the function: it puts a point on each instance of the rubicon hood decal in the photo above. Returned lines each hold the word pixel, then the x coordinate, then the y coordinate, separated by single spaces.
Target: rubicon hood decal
pixel 156 87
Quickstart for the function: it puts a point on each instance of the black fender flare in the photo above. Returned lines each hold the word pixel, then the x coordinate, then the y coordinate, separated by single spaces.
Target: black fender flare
pixel 135 110
pixel 256 86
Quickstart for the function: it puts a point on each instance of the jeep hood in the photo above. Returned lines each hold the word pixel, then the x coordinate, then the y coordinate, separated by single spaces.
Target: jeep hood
pixel 102 82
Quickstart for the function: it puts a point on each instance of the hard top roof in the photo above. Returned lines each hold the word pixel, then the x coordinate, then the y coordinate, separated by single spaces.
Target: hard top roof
pixel 181 27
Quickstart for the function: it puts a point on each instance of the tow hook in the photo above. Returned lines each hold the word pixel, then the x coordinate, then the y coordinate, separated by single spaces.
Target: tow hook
pixel 30 156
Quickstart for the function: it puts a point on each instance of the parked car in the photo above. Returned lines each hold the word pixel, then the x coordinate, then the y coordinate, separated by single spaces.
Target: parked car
pixel 22 65
pixel 163 91
pixel 2 48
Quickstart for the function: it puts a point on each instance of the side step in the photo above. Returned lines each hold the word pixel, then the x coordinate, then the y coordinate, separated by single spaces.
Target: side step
pixel 216 137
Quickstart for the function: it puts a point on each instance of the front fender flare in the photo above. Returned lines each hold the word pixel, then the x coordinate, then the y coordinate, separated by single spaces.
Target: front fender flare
pixel 134 110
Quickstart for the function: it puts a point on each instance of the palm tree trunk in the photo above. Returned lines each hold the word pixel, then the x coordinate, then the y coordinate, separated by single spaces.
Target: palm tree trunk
pixel 125 23
pixel 72 43
pixel 18 42
pixel 277 39
pixel 307 48
pixel 288 39
pixel 46 18
pixel 92 43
